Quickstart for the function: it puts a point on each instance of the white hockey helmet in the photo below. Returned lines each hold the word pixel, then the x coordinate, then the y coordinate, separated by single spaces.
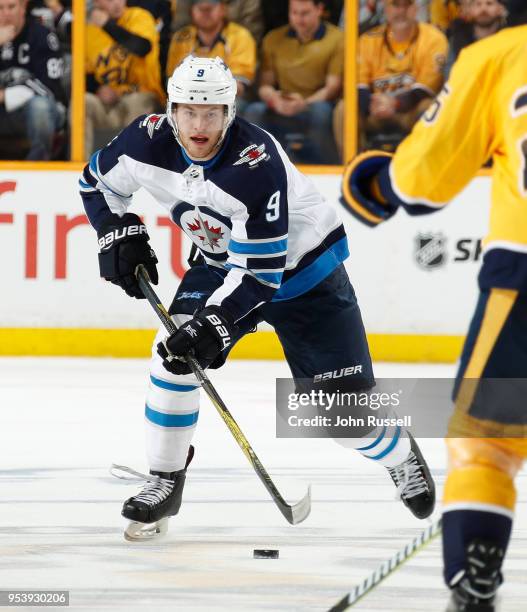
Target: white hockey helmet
pixel 201 80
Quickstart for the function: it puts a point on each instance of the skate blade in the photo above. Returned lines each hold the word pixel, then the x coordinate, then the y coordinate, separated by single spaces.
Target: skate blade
pixel 142 532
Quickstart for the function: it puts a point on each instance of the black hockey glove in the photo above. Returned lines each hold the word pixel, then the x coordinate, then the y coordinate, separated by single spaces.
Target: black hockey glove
pixel 204 337
pixel 124 245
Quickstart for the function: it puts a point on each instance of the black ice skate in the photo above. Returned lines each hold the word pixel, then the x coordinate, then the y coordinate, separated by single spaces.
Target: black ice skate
pixel 160 498
pixel 474 590
pixel 414 482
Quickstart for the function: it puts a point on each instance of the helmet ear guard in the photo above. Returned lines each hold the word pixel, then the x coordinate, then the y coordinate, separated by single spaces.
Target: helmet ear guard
pixel 200 80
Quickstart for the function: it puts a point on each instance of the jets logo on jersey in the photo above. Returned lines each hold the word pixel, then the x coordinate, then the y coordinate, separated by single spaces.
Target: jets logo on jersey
pixel 153 123
pixel 206 232
pixel 252 155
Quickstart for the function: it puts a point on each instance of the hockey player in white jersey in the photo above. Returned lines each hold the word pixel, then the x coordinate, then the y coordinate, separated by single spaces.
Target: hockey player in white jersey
pixel 271 249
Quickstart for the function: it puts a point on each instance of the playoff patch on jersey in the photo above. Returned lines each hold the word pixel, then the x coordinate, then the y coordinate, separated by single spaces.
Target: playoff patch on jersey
pixel 208 233
pixel 153 123
pixel 252 155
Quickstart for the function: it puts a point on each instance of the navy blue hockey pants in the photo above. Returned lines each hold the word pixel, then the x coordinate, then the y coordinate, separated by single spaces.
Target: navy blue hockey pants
pixel 321 331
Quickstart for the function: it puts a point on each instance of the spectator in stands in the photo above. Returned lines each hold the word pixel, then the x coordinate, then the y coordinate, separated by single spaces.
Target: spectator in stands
pixel 276 13
pixel 122 67
pixel 31 95
pixel 247 13
pixel 161 11
pixel 444 12
pixel 371 13
pixel 62 20
pixel 301 77
pixel 209 35
pixel 484 18
pixel 400 72
pixel 57 16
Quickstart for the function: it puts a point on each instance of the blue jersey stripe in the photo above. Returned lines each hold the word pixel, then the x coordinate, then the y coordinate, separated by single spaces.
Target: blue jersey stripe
pixel 257 248
pixel 172 386
pixel 171 420
pixel 311 275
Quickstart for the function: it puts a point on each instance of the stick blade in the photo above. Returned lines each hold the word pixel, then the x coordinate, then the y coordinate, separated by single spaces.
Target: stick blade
pixel 298 512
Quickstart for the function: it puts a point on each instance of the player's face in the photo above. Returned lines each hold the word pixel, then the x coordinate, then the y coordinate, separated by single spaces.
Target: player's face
pixel 305 16
pixel 208 16
pixel 200 127
pixel 13 13
pixel 400 13
pixel 114 8
pixel 486 13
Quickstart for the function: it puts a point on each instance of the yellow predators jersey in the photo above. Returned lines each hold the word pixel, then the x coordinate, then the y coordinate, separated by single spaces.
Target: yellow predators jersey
pixel 112 64
pixel 385 66
pixel 235 45
pixel 481 113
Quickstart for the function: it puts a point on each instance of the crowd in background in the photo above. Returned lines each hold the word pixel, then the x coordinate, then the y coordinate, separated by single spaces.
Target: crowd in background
pixel 286 55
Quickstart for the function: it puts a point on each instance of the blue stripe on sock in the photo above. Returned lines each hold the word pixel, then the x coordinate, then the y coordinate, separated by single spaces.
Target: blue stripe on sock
pixel 390 446
pixel 171 420
pixel 171 386
pixel 375 442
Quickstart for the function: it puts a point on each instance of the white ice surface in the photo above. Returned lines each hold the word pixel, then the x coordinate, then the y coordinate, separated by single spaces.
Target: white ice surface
pixel 64 421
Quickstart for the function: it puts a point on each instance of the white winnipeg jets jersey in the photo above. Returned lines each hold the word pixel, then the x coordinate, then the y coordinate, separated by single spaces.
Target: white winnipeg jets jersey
pixel 249 210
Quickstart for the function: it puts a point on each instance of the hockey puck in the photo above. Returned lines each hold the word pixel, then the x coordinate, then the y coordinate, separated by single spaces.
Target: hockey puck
pixel 259 553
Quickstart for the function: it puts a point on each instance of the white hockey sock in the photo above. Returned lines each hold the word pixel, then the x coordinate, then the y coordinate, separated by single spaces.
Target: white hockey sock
pixel 388 445
pixel 171 414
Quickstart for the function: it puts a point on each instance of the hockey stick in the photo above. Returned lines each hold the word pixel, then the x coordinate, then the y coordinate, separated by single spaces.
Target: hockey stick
pixel 388 567
pixel 295 513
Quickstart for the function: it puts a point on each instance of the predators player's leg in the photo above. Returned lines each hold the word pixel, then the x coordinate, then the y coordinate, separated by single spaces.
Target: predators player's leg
pixel 325 345
pixel 486 448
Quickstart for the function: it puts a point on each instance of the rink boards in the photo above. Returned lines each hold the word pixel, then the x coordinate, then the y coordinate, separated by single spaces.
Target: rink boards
pixel 415 277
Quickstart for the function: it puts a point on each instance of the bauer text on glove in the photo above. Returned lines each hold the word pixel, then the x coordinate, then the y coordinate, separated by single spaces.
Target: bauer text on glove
pixel 205 337
pixel 123 244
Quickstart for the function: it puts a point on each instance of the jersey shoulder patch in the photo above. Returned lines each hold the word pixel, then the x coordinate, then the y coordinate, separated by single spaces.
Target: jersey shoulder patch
pixel 152 123
pixel 253 155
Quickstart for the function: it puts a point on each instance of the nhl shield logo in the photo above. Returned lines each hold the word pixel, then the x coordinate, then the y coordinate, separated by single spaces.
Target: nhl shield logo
pixel 430 250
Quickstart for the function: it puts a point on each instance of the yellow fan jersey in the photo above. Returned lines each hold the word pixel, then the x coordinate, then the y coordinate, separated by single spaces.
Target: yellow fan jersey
pixel 112 64
pixel 443 12
pixel 235 45
pixel 481 113
pixel 390 67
